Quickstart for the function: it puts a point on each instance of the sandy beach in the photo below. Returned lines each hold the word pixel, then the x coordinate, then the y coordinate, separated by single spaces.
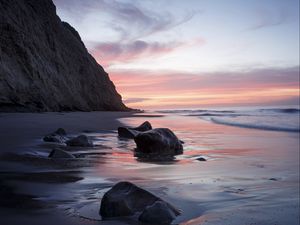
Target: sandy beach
pixel 250 176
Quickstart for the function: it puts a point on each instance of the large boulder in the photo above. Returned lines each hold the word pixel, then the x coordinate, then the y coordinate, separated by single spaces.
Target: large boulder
pixel 126 199
pixel 158 142
pixel 158 213
pixel 80 141
pixel 60 154
pixel 58 136
pixel 131 132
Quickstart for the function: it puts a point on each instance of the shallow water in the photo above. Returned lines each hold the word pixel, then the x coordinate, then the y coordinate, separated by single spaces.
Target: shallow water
pixel 250 176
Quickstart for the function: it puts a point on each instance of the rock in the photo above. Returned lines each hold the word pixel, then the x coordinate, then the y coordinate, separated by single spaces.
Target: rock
pixel 131 132
pixel 57 136
pixel 158 213
pixel 159 141
pixel 201 159
pixel 60 154
pixel 143 127
pixel 80 141
pixel 44 65
pixel 61 131
pixel 54 138
pixel 125 132
pixel 126 199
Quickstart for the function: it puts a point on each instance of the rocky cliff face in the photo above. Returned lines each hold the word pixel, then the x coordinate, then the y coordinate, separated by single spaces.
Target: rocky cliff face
pixel 44 65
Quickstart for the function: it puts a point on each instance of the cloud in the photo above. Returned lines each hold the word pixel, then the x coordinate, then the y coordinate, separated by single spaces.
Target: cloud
pixel 129 19
pixel 187 82
pixel 110 52
pixel 135 100
pixel 266 18
pixel 170 88
pixel 128 23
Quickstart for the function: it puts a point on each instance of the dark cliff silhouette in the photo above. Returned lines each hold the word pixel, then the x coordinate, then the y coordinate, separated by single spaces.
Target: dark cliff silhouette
pixel 44 65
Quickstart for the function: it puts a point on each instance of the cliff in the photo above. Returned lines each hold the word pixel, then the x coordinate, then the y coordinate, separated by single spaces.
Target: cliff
pixel 44 65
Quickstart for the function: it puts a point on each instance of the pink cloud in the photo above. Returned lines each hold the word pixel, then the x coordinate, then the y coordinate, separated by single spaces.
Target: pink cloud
pixel 108 53
pixel 171 88
pixel 111 52
pixel 286 77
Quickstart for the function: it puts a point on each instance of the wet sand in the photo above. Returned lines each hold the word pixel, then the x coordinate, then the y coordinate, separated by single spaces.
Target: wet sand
pixel 250 176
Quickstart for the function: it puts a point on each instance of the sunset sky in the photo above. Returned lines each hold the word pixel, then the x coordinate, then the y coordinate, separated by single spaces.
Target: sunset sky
pixel 193 53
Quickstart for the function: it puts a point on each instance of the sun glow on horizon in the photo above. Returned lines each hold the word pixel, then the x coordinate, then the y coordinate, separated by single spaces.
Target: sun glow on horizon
pixel 147 91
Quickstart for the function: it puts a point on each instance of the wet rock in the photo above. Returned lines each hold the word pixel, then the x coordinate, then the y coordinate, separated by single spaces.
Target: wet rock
pixel 61 131
pixel 80 141
pixel 158 213
pixel 131 132
pixel 159 141
pixel 60 154
pixel 58 136
pixel 144 126
pixel 201 159
pixel 126 199
pixel 127 132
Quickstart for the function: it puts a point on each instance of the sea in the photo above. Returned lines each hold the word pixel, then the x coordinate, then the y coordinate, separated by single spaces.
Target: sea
pixel 272 118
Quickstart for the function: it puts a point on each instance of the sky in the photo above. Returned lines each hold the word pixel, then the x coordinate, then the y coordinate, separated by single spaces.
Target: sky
pixel 194 53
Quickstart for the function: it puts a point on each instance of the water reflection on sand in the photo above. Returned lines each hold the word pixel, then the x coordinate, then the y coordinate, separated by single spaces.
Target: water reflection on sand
pixel 250 171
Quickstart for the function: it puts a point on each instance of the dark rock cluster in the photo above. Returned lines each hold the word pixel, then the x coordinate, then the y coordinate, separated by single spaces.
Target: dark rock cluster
pixel 150 142
pixel 126 199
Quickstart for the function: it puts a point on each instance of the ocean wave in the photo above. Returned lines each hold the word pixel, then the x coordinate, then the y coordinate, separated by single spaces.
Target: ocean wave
pixel 215 114
pixel 282 110
pixel 255 126
pixel 195 111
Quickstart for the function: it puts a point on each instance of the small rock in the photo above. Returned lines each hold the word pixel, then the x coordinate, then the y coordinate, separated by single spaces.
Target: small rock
pixel 273 179
pixel 158 213
pixel 131 132
pixel 60 154
pixel 143 127
pixel 80 141
pixel 61 131
pixel 127 132
pixel 201 159
pixel 57 136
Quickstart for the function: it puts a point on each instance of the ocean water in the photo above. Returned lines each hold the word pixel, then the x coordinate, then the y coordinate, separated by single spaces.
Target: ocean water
pixel 273 118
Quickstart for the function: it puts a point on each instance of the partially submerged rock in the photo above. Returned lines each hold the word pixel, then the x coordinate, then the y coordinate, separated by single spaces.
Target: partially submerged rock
pixel 80 141
pixel 158 213
pixel 58 136
pixel 159 141
pixel 125 132
pixel 143 127
pixel 60 154
pixel 131 132
pixel 61 131
pixel 201 159
pixel 126 199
